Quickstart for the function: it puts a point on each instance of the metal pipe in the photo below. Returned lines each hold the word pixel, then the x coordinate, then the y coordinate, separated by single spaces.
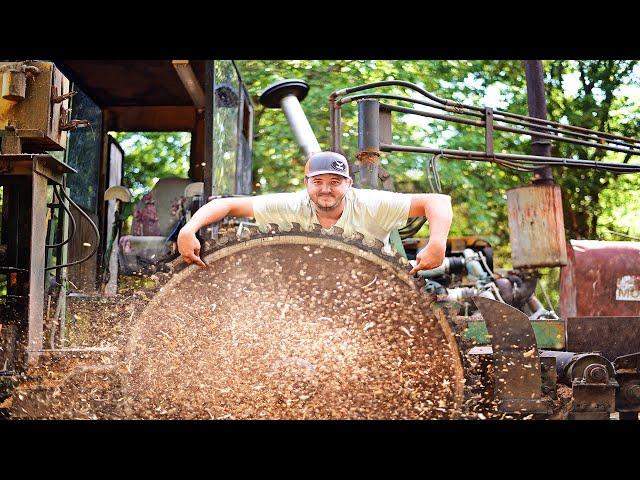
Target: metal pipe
pixel 517 162
pixel 476 155
pixel 369 143
pixel 511 119
pixel 335 123
pixel 300 125
pixel 567 127
pixel 458 105
pixel 522 131
pixel 369 126
pixel 400 83
pixel 534 73
pixel 287 95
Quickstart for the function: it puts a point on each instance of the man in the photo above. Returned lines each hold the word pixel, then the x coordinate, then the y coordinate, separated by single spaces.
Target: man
pixel 330 200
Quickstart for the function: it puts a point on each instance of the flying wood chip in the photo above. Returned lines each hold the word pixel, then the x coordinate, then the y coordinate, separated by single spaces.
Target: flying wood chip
pixel 292 325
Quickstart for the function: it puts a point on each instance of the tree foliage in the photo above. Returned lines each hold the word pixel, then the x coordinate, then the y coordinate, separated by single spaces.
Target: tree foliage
pixel 150 156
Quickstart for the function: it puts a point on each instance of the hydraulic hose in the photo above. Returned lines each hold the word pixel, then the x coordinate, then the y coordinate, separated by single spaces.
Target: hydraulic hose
pixel 95 229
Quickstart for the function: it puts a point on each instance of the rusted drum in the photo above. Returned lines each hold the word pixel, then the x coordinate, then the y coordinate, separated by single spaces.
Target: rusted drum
pixel 536 226
pixel 293 326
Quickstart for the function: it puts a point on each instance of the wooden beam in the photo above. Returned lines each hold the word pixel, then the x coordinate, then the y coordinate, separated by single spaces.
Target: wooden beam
pixel 190 82
pixel 150 119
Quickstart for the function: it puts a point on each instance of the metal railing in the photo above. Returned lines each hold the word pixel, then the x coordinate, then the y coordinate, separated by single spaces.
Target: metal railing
pixel 490 120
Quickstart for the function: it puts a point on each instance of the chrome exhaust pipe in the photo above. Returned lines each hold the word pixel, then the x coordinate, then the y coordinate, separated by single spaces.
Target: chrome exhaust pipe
pixel 287 95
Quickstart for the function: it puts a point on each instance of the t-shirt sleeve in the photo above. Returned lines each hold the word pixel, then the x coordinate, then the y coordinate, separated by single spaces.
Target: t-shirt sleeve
pixel 275 208
pixel 390 209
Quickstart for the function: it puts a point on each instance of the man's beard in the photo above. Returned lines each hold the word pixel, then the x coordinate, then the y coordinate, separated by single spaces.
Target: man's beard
pixel 329 208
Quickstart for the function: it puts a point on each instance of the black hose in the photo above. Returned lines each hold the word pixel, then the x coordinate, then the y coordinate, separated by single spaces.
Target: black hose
pixel 73 221
pixel 95 229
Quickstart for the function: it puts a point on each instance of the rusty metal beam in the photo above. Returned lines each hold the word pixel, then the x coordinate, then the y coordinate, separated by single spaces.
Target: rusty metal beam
pixel 534 72
pixel 614 336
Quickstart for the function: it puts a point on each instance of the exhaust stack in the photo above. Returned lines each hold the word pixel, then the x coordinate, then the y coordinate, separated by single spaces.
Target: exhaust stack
pixel 287 94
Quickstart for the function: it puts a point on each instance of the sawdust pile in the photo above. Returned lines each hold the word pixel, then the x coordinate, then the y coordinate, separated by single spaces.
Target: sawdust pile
pixel 289 331
pixel 74 387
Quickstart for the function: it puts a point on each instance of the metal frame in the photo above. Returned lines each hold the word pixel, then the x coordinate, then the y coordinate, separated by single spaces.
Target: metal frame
pixel 245 98
pixel 489 119
pixel 210 111
pixel 42 169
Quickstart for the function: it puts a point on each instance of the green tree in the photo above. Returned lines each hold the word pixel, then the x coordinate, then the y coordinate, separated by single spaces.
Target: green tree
pixel 153 155
pixel 599 104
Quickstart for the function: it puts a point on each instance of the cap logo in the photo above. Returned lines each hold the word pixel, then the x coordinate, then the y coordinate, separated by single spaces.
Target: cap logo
pixel 336 165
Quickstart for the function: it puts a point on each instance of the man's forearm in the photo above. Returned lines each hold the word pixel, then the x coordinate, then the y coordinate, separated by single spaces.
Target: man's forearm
pixel 212 212
pixel 440 217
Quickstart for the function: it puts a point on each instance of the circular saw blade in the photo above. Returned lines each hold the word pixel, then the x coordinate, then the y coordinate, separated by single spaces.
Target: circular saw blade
pixel 293 325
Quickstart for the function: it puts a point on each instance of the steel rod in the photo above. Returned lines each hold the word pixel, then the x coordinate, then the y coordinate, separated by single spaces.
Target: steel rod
pixel 478 155
pixel 522 131
pixel 561 128
pixel 439 100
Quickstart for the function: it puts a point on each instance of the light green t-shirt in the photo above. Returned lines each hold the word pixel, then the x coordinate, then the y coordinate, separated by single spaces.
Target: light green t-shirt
pixel 373 213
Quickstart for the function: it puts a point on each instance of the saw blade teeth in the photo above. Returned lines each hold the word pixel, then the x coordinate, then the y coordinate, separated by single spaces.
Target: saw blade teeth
pixel 285 227
pixel 274 228
pixel 419 281
pixel 390 254
pixel 296 227
pixel 233 236
pixel 316 228
pixel 262 228
pixel 174 263
pixel 243 234
pixel 353 237
pixel 372 243
pixel 306 228
pixel 252 230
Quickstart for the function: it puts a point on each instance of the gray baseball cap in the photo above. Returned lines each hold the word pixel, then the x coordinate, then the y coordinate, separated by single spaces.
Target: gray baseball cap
pixel 326 162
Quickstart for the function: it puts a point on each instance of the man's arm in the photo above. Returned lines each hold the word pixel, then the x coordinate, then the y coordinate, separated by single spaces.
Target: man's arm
pixel 215 210
pixel 437 208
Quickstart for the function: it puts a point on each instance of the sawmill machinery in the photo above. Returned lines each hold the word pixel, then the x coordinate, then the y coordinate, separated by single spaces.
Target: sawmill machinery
pixel 488 319
pixel 527 343
pixel 289 322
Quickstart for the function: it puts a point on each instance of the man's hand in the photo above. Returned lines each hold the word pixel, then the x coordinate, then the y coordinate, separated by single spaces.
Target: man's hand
pixel 189 247
pixel 429 257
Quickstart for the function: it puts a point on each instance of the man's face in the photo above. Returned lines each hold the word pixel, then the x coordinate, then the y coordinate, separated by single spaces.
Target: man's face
pixel 327 190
